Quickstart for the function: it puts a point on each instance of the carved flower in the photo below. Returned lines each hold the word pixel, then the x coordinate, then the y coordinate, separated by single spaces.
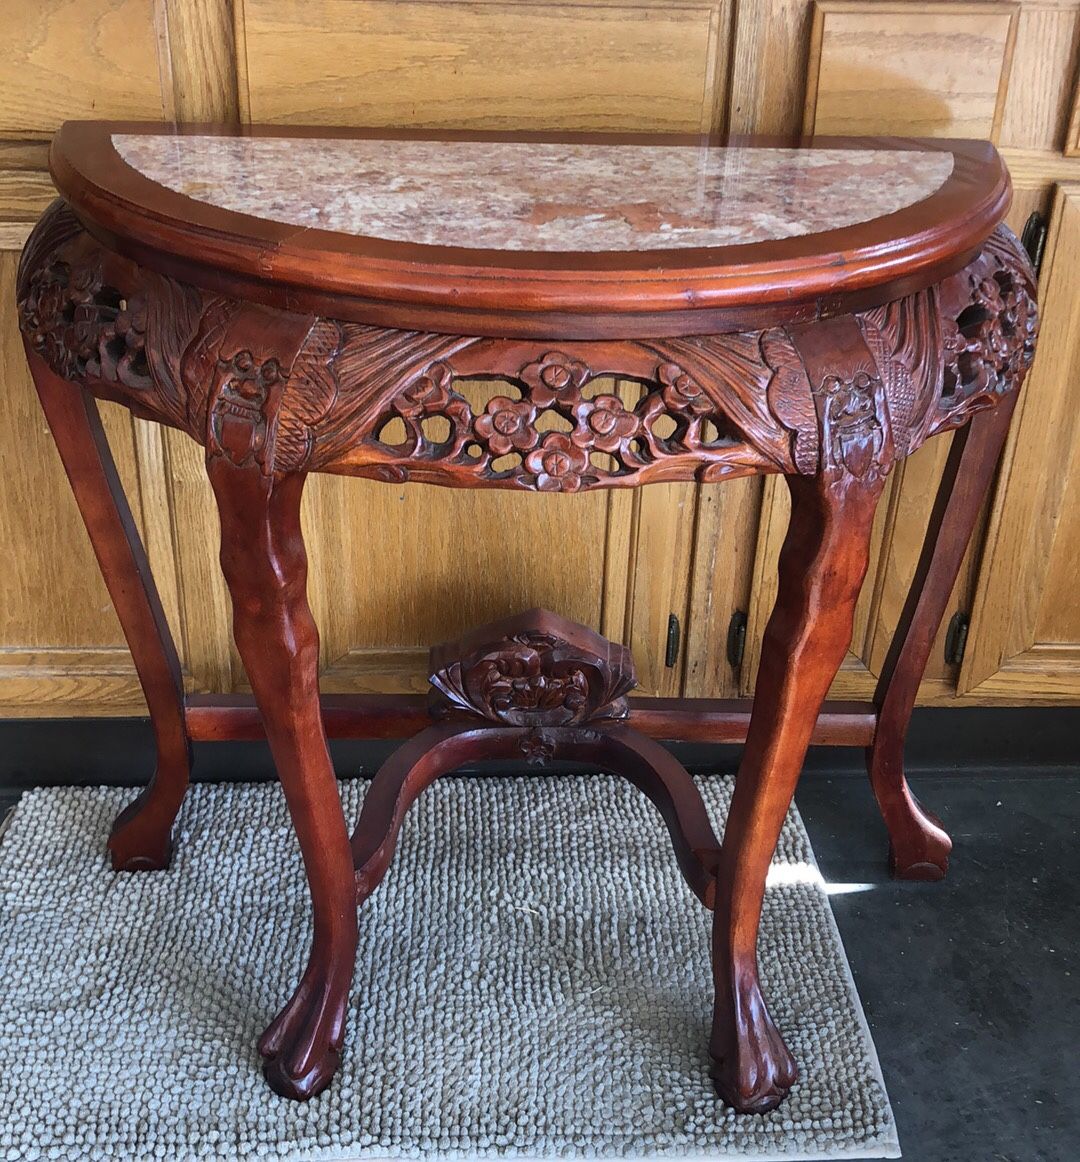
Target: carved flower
pixel 681 393
pixel 555 379
pixel 507 425
pixel 123 346
pixel 85 282
pixel 427 394
pixel 537 748
pixel 80 336
pixel 43 307
pixel 988 295
pixel 604 423
pixel 557 464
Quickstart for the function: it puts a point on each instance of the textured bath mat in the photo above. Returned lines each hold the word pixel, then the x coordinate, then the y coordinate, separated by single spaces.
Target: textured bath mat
pixel 533 980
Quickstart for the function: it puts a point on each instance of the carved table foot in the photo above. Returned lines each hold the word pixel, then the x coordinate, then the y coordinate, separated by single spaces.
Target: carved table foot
pixel 141 838
pixel 141 835
pixel 919 846
pixel 752 1069
pixel 822 566
pixel 924 855
pixel 265 566
pixel 301 1047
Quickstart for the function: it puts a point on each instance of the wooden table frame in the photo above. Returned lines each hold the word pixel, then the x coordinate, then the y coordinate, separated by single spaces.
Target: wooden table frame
pixel 830 387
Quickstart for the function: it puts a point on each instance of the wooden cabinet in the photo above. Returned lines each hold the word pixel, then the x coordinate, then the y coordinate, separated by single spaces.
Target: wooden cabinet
pixel 1026 603
pixel 409 565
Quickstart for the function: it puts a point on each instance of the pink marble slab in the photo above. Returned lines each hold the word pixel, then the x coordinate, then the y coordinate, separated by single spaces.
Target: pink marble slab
pixel 539 196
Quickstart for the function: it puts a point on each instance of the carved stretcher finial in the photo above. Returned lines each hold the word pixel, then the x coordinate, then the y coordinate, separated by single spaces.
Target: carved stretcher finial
pixel 533 669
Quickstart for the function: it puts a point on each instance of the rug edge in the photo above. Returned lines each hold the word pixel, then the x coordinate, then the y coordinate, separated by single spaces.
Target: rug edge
pixel 864 1025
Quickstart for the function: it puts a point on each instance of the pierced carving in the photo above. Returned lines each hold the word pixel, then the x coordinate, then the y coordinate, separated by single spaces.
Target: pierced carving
pixel 553 389
pixel 86 329
pixel 990 343
pixel 536 669
pixel 298 393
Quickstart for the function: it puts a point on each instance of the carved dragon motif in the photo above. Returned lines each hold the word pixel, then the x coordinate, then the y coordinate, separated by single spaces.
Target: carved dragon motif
pixel 300 393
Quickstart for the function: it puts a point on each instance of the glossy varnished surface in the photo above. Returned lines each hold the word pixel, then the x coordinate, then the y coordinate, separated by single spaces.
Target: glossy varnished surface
pixel 611 253
pixel 533 195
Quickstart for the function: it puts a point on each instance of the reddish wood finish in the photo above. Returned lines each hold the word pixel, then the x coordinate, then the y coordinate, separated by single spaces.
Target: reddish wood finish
pixel 223 717
pixel 141 837
pixel 918 845
pixel 826 358
pixel 265 565
pixel 312 394
pixel 618 749
pixel 538 294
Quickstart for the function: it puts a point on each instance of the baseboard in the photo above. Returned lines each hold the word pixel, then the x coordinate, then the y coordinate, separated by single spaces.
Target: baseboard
pixel 970 740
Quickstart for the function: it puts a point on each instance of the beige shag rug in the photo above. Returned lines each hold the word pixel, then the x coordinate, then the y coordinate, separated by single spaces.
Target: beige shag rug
pixel 533 981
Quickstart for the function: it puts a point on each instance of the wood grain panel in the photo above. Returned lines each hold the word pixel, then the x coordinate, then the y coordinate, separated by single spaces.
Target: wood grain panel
pixel 202 59
pixel 722 580
pixel 205 614
pixel 765 98
pixel 1026 619
pixel 659 583
pixel 489 64
pixel 81 58
pixel 1072 130
pixel 913 499
pixel 24 194
pixel 396 568
pixel 1041 85
pixel 918 69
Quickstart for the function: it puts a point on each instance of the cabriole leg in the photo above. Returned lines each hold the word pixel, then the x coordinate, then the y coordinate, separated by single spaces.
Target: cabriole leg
pixel 918 845
pixel 265 564
pixel 141 837
pixel 822 565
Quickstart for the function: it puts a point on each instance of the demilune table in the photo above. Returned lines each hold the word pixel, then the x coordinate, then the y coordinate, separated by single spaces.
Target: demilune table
pixel 307 300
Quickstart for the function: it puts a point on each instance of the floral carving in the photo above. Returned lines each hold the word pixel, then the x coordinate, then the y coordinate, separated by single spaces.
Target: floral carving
pixel 561 460
pixel 428 394
pixel 990 338
pixel 555 379
pixel 989 333
pixel 681 393
pixel 558 465
pixel 536 669
pixel 604 423
pixel 507 425
pixel 84 328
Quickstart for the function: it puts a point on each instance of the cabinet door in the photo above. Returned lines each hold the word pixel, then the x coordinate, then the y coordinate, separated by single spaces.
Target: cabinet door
pixel 1026 618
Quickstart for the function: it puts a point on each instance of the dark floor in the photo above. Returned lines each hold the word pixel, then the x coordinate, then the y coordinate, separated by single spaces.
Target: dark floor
pixel 970 986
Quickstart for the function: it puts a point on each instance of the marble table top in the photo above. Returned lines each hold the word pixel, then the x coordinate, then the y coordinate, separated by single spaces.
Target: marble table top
pixel 539 196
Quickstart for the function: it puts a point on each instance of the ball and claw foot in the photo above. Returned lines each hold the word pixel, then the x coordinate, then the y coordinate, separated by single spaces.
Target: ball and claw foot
pixel 753 1071
pixel 301 1047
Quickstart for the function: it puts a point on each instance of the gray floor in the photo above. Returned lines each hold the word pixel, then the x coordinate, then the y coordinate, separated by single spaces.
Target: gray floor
pixel 970 986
